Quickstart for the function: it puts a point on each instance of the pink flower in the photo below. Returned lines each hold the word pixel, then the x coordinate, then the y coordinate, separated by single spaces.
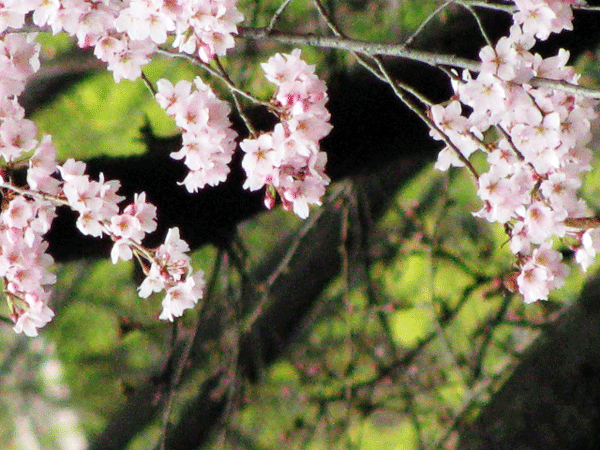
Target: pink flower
pixel 285 67
pixel 36 316
pixel 144 213
pixel 206 28
pixel 126 226
pixel 590 247
pixel 83 194
pixel 447 158
pixel 71 169
pixel 170 97
pixel 536 17
pixel 90 223
pixel 154 282
pixel 288 159
pixel 121 250
pixel 208 140
pixel 259 161
pixel 533 283
pixel 11 15
pixel 19 213
pixel 503 61
pixel 16 137
pixel 142 20
pixel 183 295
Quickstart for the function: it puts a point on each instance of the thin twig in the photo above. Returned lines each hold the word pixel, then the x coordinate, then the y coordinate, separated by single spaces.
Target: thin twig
pixel 336 31
pixel 586 8
pixel 479 24
pixel 353 45
pixel 425 118
pixel 216 74
pixel 232 393
pixel 429 18
pixel 484 4
pixel 414 416
pixel 328 19
pixel 432 266
pixel 278 14
pixel 148 84
pixel 486 386
pixel 582 223
pixel 189 344
pixel 171 385
pixel 234 94
pixel 383 74
pixel 496 321
pixel 346 281
pixel 266 286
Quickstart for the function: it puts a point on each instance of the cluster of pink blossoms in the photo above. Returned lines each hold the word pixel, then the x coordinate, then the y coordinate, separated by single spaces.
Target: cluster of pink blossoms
pixel 169 268
pixel 126 33
pixel 534 138
pixel 540 18
pixel 288 159
pixel 208 140
pixel 24 263
pixel 28 211
pixel 29 215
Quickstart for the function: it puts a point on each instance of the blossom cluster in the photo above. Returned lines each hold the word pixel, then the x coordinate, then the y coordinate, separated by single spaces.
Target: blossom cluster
pixel 29 208
pixel 535 140
pixel 288 159
pixel 208 140
pixel 126 34
pixel 167 268
pixel 540 18
pixel 24 263
pixel 29 214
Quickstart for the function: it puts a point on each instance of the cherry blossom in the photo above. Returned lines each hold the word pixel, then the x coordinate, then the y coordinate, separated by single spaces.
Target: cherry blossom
pixel 126 34
pixel 288 159
pixel 208 139
pixel 30 209
pixel 535 165
pixel 24 262
pixel 182 296
pixel 37 315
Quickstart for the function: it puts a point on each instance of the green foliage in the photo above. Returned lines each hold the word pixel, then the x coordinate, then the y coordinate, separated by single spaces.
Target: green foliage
pixel 101 117
pixel 409 326
pixel 90 330
pixel 387 433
